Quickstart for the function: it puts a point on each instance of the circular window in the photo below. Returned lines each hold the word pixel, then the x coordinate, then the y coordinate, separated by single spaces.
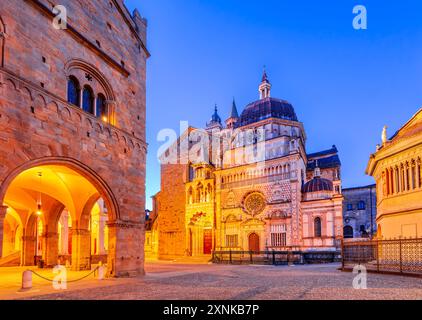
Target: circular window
pixel 254 203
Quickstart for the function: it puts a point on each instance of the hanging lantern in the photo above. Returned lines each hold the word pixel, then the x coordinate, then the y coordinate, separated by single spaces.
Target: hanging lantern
pixel 39 202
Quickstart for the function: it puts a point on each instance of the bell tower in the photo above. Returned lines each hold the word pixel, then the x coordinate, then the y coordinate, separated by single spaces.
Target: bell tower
pixel 265 87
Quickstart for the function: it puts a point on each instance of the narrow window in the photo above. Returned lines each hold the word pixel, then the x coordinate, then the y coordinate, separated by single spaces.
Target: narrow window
pixel 88 100
pixel 101 108
pixel 317 227
pixel 73 90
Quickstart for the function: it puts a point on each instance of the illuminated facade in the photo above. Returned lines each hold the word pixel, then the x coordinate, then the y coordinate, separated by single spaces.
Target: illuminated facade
pixel 248 185
pixel 397 170
pixel 72 135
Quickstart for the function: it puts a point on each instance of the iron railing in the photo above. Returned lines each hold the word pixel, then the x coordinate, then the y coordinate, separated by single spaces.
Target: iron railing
pixel 398 256
pixel 273 257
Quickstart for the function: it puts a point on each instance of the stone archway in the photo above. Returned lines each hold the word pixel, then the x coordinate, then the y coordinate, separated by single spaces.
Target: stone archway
pixel 67 184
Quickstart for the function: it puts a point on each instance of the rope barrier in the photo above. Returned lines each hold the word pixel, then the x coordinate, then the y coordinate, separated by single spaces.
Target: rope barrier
pixel 68 281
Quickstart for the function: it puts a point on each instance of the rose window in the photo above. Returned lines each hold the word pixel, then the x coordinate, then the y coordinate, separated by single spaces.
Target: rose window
pixel 254 203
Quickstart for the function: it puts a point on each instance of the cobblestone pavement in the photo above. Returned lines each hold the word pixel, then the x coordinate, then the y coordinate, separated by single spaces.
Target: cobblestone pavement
pixel 168 281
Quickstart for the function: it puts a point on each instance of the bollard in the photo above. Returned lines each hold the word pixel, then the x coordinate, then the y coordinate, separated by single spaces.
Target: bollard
pixel 101 272
pixel 27 280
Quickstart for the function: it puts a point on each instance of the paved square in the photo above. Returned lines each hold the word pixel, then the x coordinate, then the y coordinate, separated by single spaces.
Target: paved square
pixel 167 280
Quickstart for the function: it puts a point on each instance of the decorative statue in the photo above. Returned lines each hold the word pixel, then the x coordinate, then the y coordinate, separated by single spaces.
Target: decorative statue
pixel 384 135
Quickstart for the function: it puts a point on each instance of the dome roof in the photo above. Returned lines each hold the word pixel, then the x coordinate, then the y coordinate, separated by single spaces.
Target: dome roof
pixel 215 119
pixel 318 184
pixel 267 108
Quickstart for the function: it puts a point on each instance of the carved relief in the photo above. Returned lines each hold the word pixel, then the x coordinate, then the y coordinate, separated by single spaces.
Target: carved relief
pixel 231 200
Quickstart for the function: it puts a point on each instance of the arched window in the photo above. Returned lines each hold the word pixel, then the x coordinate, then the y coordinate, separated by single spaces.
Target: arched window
pixel 361 205
pixel 317 228
pixel 88 100
pixel 101 108
pixel 348 232
pixel 73 91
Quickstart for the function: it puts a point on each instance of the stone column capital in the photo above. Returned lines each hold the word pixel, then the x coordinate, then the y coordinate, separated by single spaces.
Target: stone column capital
pixel 50 235
pixel 110 102
pixel 81 232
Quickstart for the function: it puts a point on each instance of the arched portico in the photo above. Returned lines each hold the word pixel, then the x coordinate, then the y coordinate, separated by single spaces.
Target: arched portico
pixel 40 191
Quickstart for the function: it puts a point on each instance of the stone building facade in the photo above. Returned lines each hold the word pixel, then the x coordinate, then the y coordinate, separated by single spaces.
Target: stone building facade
pixel 360 212
pixel 397 169
pixel 72 129
pixel 248 184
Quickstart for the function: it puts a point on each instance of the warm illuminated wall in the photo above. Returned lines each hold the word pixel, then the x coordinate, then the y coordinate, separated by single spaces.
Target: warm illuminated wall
pixel 397 169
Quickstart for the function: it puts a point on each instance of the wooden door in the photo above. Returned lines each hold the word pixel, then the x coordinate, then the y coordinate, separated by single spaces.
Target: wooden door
pixel 207 241
pixel 253 242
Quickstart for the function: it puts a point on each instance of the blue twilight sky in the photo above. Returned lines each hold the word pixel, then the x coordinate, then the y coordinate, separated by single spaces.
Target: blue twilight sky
pixel 345 84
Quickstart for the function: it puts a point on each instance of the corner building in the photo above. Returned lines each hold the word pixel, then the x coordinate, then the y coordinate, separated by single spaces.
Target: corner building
pixel 397 169
pixel 248 185
pixel 72 135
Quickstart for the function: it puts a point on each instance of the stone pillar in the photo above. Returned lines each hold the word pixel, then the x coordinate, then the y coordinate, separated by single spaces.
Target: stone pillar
pixel 101 226
pixel 65 235
pixel 411 177
pixel 125 249
pixel 81 249
pixel 401 179
pixel 81 98
pixel 50 253
pixel 3 211
pixel 29 244
pixel 406 175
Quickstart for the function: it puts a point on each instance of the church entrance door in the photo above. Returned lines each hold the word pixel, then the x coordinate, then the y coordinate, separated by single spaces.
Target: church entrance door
pixel 207 241
pixel 253 242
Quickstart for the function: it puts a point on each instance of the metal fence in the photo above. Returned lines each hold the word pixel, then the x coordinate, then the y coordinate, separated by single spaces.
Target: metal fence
pixel 274 257
pixel 401 256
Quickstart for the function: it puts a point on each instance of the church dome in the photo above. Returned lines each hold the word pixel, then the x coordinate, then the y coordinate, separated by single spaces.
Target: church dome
pixel 267 108
pixel 318 184
pixel 215 119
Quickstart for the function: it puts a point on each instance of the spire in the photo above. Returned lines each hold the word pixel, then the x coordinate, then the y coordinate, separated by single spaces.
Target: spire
pixel 234 113
pixel 215 119
pixel 265 77
pixel 233 119
pixel 317 172
pixel 265 86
